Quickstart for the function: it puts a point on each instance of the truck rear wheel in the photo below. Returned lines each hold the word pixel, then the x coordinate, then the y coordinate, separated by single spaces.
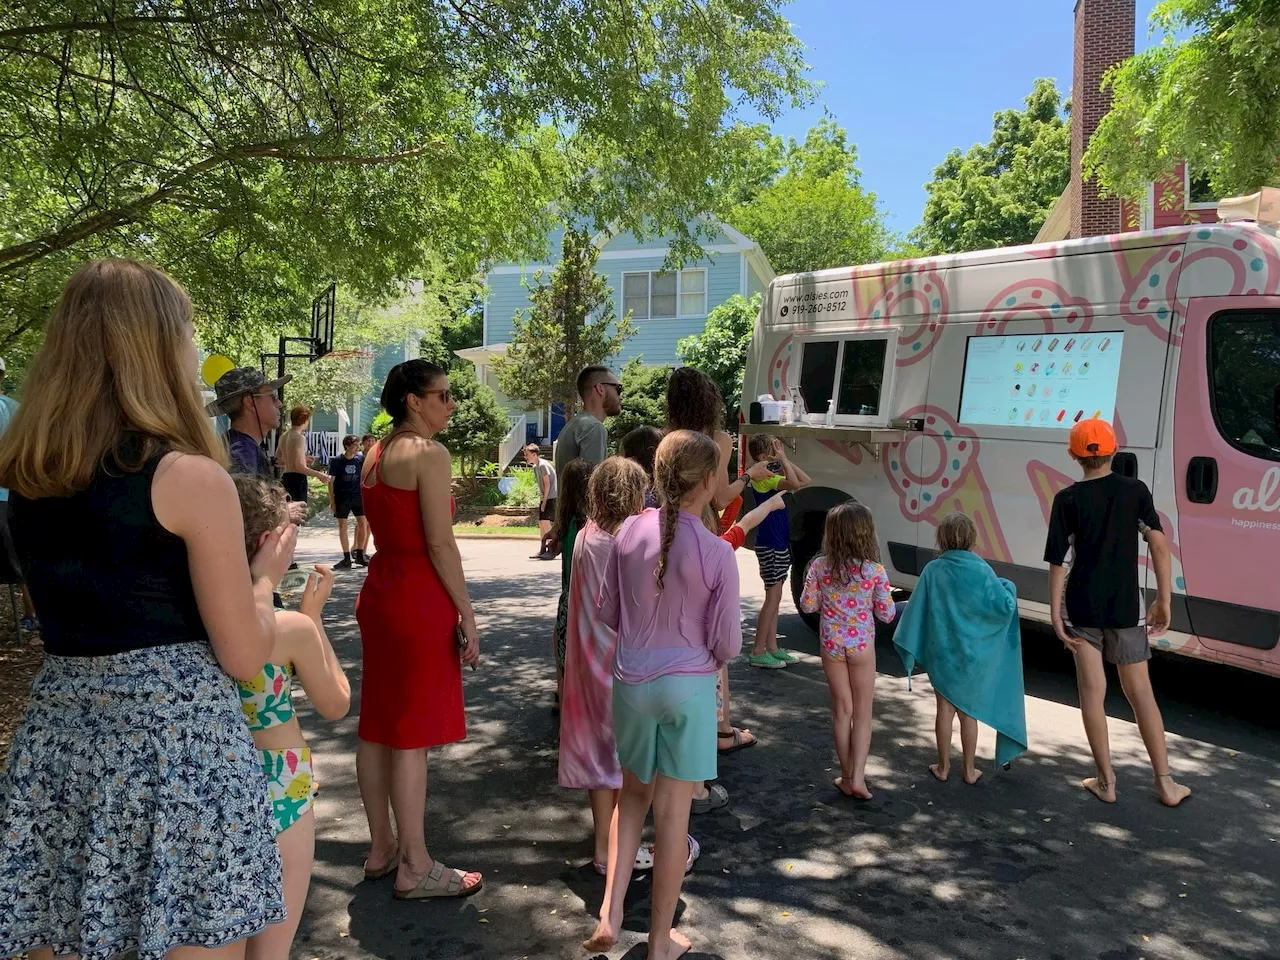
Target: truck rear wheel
pixel 802 553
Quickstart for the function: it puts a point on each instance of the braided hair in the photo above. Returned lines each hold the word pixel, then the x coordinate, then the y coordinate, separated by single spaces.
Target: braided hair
pixel 685 458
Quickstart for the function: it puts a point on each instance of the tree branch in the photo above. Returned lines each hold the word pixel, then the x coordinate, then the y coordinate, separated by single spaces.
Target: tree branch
pixel 18 255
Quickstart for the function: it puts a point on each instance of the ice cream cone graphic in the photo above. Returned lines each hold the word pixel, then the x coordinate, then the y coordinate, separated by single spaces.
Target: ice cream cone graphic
pixel 949 478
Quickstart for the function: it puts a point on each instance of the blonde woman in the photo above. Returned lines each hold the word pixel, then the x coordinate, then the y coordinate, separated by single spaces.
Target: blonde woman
pixel 133 813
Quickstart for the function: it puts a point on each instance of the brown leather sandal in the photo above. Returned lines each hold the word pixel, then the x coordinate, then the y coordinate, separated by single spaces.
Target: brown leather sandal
pixel 438 883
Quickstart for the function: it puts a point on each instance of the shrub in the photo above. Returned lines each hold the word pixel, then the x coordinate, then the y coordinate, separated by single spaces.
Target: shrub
pixel 524 492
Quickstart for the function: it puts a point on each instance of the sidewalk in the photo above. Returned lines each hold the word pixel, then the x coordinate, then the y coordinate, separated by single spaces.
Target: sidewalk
pixel 1024 865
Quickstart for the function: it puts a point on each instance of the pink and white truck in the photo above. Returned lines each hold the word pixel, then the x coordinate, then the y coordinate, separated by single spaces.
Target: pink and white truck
pixel 955 381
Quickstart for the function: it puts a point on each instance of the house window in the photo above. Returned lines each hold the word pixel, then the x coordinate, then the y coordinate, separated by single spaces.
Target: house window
pixel 857 371
pixel 662 295
pixel 1199 191
pixel 1244 373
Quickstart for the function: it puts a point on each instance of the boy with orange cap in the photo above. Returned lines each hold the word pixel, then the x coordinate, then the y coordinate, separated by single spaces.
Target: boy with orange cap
pixel 1097 609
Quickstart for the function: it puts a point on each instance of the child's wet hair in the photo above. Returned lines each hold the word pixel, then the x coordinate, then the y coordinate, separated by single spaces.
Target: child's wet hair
pixel 956 532
pixel 849 540
pixel 263 505
pixel 616 491
pixel 641 445
pixel 759 445
pixel 572 494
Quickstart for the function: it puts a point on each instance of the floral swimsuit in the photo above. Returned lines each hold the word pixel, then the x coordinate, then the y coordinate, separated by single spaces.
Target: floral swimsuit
pixel 267 701
pixel 848 610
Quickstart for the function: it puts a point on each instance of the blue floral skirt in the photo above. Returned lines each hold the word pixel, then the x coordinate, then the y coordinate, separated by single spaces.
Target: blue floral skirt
pixel 134 814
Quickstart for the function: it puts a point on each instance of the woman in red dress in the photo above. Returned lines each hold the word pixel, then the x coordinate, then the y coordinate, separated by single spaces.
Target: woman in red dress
pixel 410 608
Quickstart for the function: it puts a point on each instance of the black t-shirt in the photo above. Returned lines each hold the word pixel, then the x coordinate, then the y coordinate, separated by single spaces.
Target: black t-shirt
pixel 346 478
pixel 1100 523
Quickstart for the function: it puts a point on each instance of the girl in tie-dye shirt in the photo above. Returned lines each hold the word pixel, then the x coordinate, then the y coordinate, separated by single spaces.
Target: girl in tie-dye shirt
pixel 848 586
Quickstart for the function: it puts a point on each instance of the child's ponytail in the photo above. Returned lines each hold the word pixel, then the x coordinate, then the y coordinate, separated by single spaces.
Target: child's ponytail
pixel 684 460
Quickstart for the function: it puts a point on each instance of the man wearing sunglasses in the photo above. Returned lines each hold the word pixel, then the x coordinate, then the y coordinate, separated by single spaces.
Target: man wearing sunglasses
pixel 253 404
pixel 585 436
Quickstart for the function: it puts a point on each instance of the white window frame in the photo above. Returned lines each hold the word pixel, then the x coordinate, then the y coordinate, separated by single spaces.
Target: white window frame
pixel 1186 192
pixel 887 377
pixel 679 293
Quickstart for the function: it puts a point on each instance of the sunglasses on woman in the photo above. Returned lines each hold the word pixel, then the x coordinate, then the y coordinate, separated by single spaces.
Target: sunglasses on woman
pixel 446 394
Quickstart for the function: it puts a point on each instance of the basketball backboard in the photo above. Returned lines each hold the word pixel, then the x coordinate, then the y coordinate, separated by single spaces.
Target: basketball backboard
pixel 322 316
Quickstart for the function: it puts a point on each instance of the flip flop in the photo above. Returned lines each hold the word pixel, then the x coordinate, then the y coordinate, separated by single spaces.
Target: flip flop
pixel 739 743
pixel 717 797
pixel 440 882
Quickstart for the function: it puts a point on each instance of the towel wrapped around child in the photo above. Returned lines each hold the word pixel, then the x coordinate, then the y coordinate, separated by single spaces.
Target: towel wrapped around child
pixel 961 627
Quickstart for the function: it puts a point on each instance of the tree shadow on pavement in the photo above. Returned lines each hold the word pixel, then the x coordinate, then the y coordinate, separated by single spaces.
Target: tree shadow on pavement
pixel 1024 864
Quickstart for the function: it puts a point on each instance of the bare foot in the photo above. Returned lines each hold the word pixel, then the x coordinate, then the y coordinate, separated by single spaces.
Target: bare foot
pixel 841 784
pixel 859 789
pixel 1104 791
pixel 939 771
pixel 603 939
pixel 1171 792
pixel 677 945
pixel 972 776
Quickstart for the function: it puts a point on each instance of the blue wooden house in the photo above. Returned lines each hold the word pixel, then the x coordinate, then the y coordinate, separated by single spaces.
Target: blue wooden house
pixel 664 306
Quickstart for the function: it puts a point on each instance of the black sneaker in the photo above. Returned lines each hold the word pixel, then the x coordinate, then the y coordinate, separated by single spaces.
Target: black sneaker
pixel 343 564
pixel 361 559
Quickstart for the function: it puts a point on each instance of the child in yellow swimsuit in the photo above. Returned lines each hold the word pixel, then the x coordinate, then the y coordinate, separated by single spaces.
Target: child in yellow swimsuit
pixel 301 650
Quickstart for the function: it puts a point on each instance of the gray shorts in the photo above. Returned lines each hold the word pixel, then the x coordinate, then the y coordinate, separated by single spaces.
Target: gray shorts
pixel 1119 645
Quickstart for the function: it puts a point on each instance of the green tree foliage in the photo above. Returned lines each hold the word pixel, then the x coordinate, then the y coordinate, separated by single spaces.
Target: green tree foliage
pixel 570 324
pixel 1207 94
pixel 803 202
pixel 720 351
pixel 644 398
pixel 259 150
pixel 999 193
pixel 381 424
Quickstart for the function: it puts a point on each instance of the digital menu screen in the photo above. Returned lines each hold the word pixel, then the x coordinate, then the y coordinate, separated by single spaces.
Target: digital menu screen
pixel 1040 380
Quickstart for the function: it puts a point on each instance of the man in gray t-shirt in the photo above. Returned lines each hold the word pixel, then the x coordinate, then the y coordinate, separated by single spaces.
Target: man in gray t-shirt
pixel 584 436
pixel 544 474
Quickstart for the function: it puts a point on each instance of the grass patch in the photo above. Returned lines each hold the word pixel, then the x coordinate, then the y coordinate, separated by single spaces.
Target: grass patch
pixel 468 529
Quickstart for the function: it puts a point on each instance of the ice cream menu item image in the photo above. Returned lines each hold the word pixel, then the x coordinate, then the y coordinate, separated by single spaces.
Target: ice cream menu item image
pixel 1009 382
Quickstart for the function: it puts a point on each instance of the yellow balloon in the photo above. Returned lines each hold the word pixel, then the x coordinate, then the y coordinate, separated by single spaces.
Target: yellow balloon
pixel 214 367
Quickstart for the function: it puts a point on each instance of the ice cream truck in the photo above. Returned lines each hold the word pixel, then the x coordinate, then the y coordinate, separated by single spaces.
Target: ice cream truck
pixel 927 386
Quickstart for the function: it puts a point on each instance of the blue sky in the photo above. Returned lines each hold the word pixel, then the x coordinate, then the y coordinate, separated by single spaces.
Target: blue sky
pixel 911 79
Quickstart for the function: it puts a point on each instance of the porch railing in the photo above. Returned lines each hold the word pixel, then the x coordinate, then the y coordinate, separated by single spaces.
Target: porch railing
pixel 511 444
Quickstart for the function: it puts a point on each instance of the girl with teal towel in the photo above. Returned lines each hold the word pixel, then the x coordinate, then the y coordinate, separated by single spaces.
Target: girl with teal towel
pixel 961 626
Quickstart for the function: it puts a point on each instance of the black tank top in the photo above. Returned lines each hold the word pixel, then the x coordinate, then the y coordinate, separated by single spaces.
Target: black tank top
pixel 104 575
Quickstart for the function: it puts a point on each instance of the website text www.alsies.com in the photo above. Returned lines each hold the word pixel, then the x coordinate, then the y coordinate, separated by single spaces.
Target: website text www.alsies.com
pixel 827 301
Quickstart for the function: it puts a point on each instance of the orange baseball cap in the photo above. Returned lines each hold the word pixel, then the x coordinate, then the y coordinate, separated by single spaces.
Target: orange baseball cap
pixel 1092 438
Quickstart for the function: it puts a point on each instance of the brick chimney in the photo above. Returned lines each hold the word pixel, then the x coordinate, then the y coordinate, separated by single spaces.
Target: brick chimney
pixel 1104 37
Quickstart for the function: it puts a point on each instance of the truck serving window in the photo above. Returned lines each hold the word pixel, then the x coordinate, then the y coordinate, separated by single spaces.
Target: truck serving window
pixel 856 370
pixel 1244 375
pixel 1049 380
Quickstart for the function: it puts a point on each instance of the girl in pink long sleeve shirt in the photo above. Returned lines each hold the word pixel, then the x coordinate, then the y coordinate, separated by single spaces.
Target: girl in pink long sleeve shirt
pixel 671 592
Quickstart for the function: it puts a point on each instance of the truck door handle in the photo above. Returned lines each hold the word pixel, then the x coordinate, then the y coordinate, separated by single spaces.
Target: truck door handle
pixel 1202 479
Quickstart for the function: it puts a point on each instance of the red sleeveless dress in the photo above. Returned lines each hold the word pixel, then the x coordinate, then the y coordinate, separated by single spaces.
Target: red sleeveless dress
pixel 411 684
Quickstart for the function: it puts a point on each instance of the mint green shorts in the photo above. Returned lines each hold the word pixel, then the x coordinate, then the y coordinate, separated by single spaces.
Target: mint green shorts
pixel 667 726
